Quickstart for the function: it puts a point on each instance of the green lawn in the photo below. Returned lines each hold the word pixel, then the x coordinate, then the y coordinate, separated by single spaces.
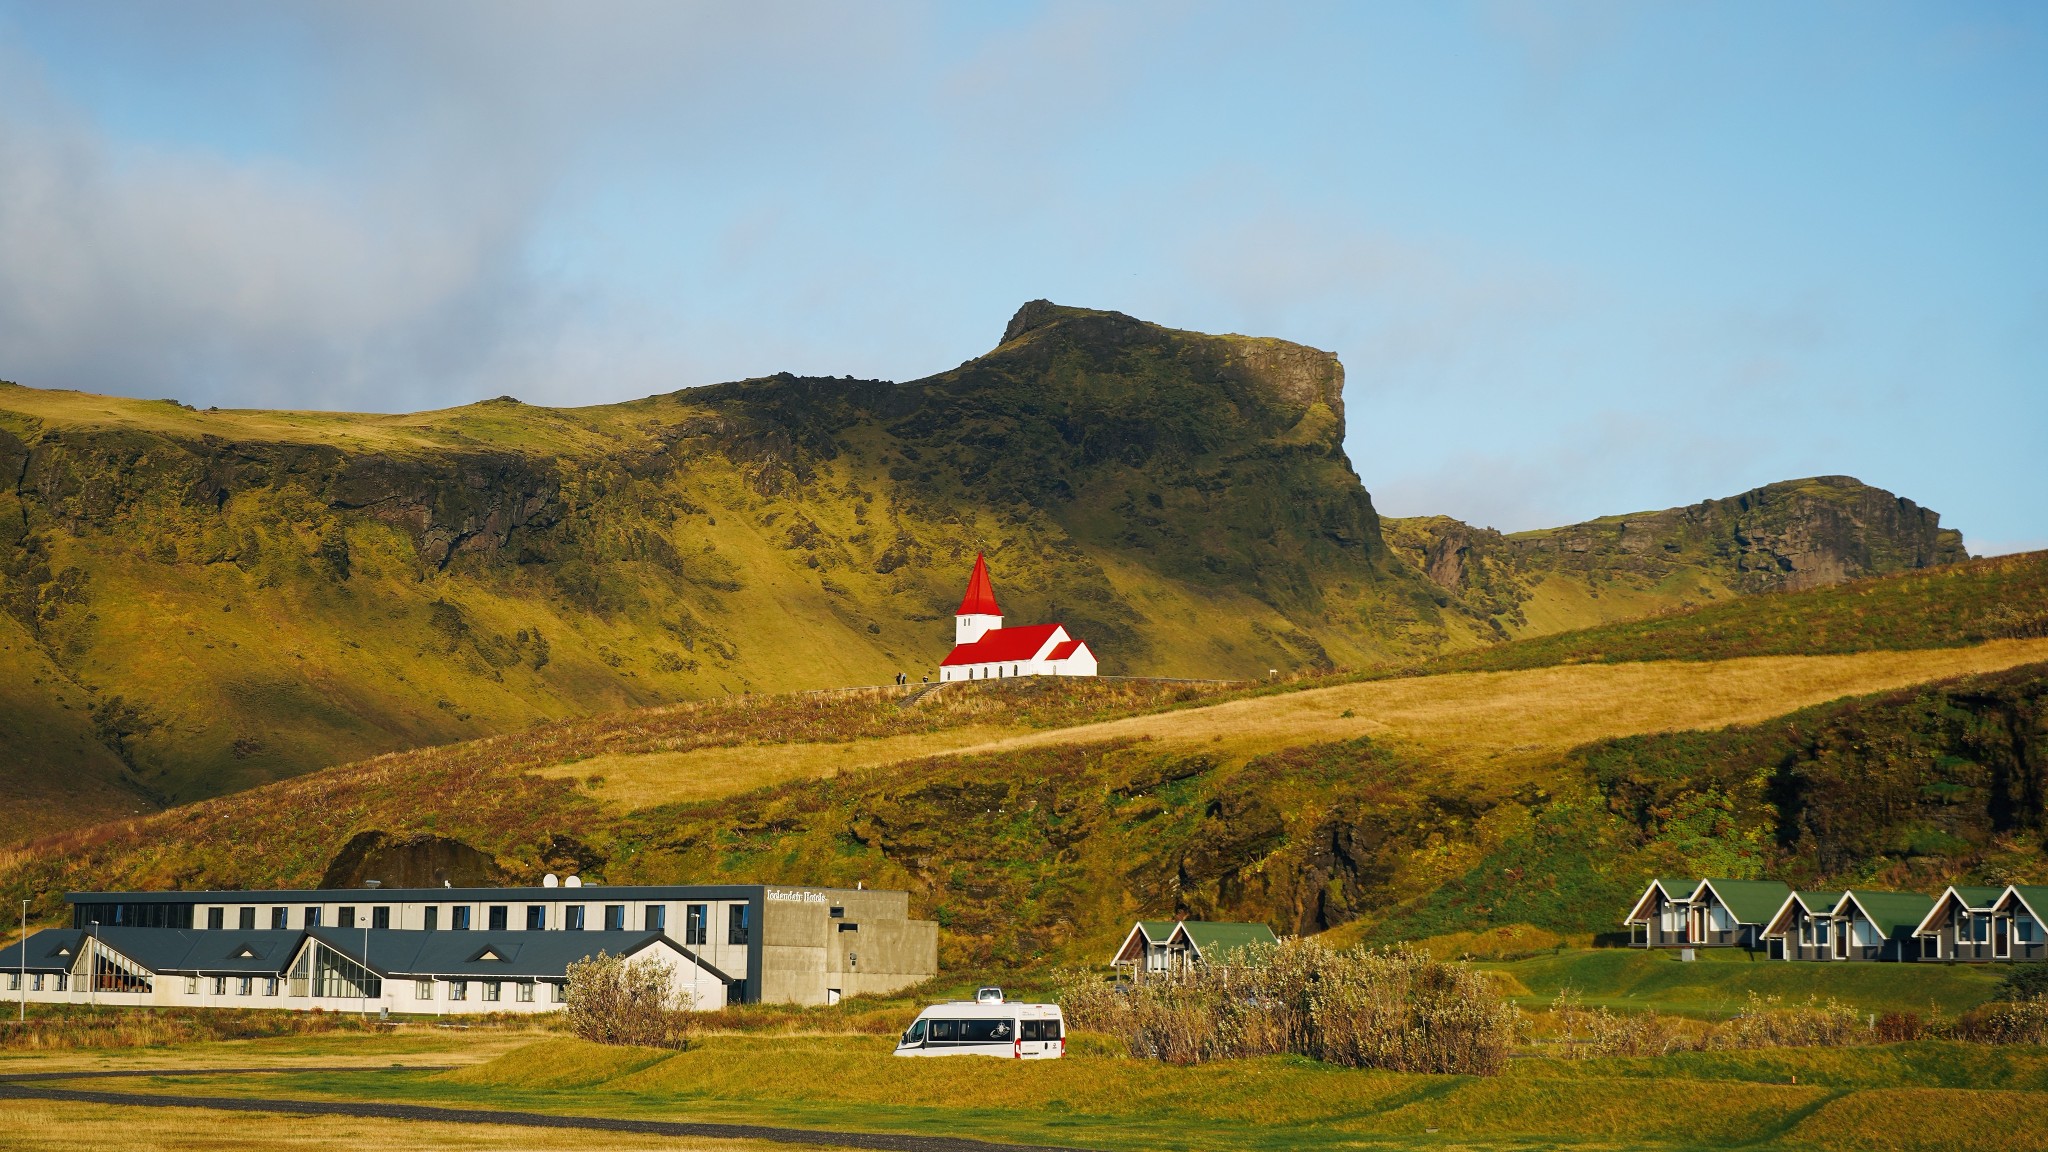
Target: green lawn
pixel 1907 1096
pixel 1720 981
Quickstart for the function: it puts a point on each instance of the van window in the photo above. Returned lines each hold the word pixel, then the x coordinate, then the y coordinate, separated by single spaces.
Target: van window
pixel 916 1033
pixel 988 1031
pixel 945 1032
pixel 1038 1030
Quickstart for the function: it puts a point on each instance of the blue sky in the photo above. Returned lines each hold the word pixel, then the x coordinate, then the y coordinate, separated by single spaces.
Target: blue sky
pixel 1578 258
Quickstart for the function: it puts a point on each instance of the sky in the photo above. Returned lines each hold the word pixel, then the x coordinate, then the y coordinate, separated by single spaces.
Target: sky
pixel 1577 258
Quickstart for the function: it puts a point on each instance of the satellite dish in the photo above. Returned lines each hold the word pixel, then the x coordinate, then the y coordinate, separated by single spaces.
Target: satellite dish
pixel 573 882
pixel 549 880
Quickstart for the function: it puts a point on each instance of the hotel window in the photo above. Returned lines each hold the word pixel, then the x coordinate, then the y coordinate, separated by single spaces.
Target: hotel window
pixel 558 992
pixel 277 918
pixel 736 919
pixel 458 989
pixel 380 918
pixel 423 989
pixel 346 918
pixel 458 918
pixel 523 991
pixel 220 985
pixel 496 917
pixel 191 984
pixel 245 986
pixel 697 924
pixel 216 918
pixel 433 919
pixel 312 918
pixel 655 918
pixel 536 917
pixel 248 919
pixel 36 984
pixel 615 917
pixel 491 988
pixel 572 918
pixel 270 986
pixel 63 981
pixel 14 981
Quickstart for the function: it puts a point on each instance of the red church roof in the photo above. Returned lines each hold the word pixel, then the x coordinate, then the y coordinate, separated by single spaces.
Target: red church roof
pixel 981 598
pixel 1003 645
pixel 1062 651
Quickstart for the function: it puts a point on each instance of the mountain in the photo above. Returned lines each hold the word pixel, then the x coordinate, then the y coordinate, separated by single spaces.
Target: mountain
pixel 197 602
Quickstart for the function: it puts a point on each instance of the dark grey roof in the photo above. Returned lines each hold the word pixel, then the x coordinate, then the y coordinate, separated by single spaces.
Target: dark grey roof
pixel 43 951
pixel 484 955
pixel 594 893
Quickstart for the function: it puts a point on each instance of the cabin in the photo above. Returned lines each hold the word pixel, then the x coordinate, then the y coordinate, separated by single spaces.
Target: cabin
pixel 2019 923
pixel 1803 928
pixel 1959 925
pixel 1711 913
pixel 1153 949
pixel 1658 918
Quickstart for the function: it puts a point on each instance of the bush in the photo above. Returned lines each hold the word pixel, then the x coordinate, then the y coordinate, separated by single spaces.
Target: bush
pixel 1584 1033
pixel 1762 1023
pixel 2024 982
pixel 614 1001
pixel 2006 1022
pixel 1395 1009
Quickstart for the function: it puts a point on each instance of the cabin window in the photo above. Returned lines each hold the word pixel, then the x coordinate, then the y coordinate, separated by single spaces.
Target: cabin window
pixel 248 919
pixel 615 917
pixel 423 989
pixel 346 918
pixel 497 917
pixel 1820 932
pixel 524 991
pixel 432 919
pixel 1155 961
pixel 2023 928
pixel 1805 932
pixel 277 917
pixel 1930 947
pixel 536 917
pixel 572 918
pixel 697 924
pixel 1981 928
pixel 458 918
pixel 736 923
pixel 655 918
pixel 380 918
pixel 216 918
pixel 944 1032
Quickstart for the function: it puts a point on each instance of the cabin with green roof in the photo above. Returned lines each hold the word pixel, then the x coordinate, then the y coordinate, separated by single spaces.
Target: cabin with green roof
pixel 1964 925
pixel 2020 922
pixel 1709 913
pixel 1657 919
pixel 1165 948
pixel 1804 926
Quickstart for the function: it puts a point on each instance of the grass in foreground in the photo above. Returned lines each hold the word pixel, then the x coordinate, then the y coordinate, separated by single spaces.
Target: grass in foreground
pixel 1898 1096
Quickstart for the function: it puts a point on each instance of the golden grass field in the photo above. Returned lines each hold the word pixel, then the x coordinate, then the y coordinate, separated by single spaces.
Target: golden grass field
pixel 52 1126
pixel 1495 724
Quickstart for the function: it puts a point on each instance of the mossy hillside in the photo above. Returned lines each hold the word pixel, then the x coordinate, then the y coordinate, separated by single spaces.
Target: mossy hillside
pixel 1787 536
pixel 267 592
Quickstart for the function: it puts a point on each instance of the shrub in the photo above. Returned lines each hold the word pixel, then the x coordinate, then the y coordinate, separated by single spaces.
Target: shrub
pixel 615 1001
pixel 1762 1023
pixel 1584 1033
pixel 1396 1009
pixel 2006 1022
pixel 2024 982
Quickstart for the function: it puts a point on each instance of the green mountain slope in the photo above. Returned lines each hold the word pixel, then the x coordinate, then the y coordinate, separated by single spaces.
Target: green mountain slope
pixel 230 598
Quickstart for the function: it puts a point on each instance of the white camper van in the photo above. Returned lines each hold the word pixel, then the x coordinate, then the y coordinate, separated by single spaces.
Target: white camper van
pixel 988 1026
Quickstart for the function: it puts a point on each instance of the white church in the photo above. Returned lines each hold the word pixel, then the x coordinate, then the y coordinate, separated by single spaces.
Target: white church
pixel 985 650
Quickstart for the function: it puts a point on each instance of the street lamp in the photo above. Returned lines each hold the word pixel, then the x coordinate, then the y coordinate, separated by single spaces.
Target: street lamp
pixel 92 966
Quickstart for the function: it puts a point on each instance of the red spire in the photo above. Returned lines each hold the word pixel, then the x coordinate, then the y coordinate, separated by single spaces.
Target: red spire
pixel 981 598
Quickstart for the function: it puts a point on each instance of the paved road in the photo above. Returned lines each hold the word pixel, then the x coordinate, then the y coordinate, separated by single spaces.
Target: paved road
pixel 33 1086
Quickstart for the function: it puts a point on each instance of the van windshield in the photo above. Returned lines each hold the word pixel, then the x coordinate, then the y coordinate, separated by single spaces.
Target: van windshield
pixel 915 1035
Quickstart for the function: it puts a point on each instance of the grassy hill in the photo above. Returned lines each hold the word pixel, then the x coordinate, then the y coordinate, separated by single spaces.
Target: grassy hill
pixel 1054 812
pixel 200 602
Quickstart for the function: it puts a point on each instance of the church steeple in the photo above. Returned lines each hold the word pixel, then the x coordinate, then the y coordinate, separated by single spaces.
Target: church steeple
pixel 978 614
